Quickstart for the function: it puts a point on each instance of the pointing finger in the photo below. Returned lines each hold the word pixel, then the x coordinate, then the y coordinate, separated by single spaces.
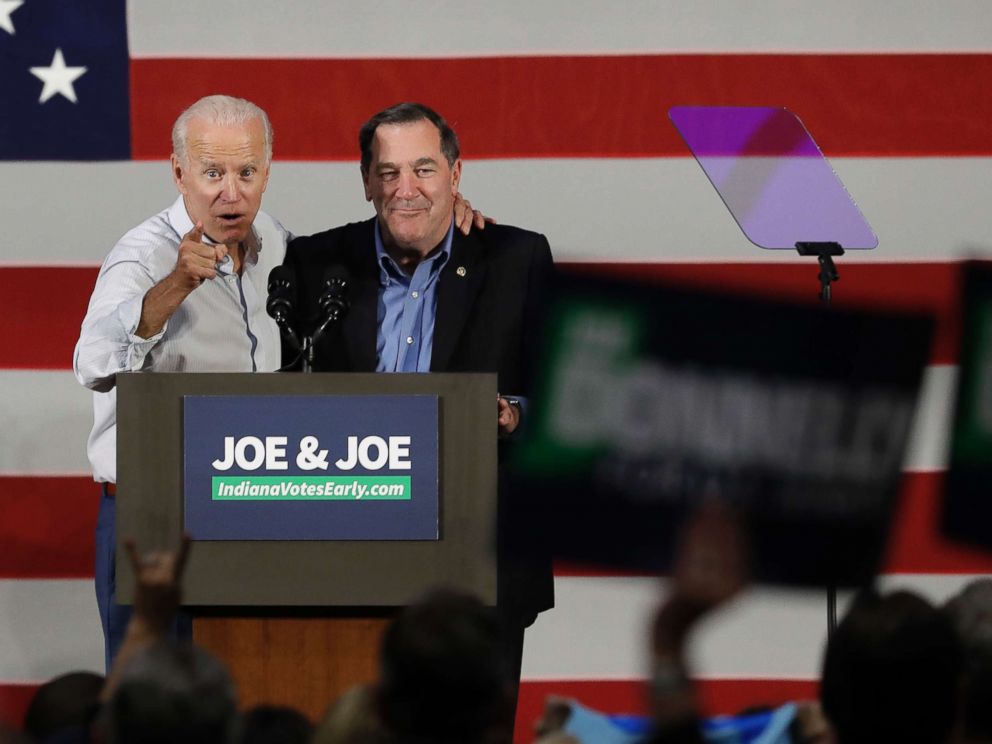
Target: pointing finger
pixel 196 234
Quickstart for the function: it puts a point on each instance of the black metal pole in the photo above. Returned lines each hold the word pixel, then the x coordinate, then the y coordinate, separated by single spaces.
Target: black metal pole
pixel 824 252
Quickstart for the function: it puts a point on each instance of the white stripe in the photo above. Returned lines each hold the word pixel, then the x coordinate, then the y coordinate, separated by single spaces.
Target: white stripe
pixel 930 437
pixel 447 28
pixel 598 629
pixel 48 628
pixel 48 415
pixel 937 588
pixel 610 209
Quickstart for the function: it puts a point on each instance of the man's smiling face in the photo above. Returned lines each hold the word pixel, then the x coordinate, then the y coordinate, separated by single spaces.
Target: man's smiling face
pixel 412 185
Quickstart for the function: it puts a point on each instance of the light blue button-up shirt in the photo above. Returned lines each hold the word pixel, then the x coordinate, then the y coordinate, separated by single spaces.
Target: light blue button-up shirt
pixel 407 308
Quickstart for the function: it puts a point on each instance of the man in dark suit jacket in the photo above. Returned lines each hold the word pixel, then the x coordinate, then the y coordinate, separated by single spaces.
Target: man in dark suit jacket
pixel 487 300
pixel 424 297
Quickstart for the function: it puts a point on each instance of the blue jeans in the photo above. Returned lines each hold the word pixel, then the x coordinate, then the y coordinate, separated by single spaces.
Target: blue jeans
pixel 114 617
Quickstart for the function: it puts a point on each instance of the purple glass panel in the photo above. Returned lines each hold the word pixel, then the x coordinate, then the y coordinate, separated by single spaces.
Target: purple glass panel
pixel 772 176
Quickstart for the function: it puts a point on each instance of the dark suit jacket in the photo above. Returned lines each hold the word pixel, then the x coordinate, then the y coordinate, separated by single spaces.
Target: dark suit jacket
pixel 488 304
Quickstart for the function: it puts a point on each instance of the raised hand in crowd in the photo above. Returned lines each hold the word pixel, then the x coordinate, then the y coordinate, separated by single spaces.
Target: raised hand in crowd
pixel 711 567
pixel 157 595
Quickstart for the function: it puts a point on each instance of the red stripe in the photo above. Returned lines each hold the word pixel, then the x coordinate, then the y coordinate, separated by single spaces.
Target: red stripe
pixel 40 328
pixel 854 104
pixel 618 697
pixel 919 287
pixel 14 701
pixel 47 530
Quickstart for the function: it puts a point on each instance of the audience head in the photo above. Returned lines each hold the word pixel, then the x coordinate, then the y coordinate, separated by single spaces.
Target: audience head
pixel 891 671
pixel 274 724
pixel 352 719
pixel 971 613
pixel 172 694
pixel 443 677
pixel 69 701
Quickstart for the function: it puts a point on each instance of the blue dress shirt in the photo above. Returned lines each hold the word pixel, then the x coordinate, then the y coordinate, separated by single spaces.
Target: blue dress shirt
pixel 407 308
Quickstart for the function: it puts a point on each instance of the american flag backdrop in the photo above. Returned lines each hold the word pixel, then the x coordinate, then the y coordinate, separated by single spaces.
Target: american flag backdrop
pixel 561 109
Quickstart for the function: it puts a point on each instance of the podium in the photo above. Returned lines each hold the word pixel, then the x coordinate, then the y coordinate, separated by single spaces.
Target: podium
pixel 298 621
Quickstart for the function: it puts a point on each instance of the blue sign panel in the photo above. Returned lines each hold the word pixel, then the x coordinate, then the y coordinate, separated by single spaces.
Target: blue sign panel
pixel 285 467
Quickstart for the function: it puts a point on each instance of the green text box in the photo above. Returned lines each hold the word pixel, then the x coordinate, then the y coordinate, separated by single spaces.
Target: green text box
pixel 311 488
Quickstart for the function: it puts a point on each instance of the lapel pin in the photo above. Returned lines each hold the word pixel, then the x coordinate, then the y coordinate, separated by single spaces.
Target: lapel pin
pixel 461 271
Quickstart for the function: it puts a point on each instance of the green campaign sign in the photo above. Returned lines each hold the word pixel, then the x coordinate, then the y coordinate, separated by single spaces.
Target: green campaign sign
pixel 650 399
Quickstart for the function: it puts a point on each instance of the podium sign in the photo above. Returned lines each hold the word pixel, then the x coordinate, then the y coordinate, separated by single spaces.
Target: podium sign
pixel 298 467
pixel 449 419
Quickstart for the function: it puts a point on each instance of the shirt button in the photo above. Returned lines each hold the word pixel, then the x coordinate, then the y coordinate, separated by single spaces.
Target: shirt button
pixel 409 339
pixel 415 294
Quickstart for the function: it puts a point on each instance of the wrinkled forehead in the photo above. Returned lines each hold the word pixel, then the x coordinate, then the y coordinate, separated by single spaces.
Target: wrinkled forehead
pixel 407 142
pixel 211 140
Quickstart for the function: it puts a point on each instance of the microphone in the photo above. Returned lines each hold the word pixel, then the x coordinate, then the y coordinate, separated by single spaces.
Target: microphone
pixel 333 303
pixel 282 295
pixel 280 305
pixel 333 300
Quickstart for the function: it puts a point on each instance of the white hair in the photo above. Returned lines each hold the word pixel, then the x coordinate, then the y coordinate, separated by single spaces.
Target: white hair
pixel 223 110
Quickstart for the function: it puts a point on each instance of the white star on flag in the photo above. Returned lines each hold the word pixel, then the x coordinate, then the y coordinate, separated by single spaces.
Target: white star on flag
pixel 6 8
pixel 57 78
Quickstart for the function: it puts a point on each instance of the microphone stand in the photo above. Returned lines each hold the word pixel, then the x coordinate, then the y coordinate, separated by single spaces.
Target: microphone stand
pixel 824 252
pixel 279 306
pixel 334 302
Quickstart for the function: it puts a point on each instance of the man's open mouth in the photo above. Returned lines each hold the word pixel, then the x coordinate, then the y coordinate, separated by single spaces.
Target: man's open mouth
pixel 232 217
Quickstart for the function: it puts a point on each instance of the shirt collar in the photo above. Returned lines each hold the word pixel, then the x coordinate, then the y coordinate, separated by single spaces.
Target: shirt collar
pixel 387 264
pixel 180 220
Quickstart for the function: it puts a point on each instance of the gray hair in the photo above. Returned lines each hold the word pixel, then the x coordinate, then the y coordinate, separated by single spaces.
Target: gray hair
pixel 223 110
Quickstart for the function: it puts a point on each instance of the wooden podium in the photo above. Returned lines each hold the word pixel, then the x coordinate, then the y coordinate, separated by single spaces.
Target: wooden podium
pixel 299 621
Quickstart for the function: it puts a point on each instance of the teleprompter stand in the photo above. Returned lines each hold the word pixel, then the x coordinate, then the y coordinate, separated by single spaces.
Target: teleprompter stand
pixel 824 253
pixel 772 176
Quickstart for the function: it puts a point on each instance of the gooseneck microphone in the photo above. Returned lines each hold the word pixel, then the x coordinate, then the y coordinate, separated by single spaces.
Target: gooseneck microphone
pixel 282 295
pixel 332 306
pixel 333 300
pixel 333 303
pixel 281 307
